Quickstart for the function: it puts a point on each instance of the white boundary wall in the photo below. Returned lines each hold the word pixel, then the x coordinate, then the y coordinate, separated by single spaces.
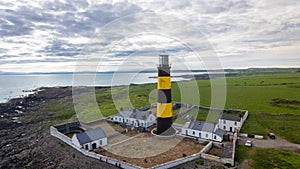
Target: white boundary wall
pixel 176 162
pixel 216 158
pixel 54 132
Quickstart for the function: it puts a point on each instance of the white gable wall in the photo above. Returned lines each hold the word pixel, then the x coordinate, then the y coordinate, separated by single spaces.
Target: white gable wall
pixel 75 141
pixel 229 125
pixel 89 145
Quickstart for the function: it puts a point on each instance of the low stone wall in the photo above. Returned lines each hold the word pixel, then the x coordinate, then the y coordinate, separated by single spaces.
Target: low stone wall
pixel 185 111
pixel 217 159
pixel 93 122
pixel 65 128
pixel 233 149
pixel 203 153
pixel 54 132
pixel 176 162
pixel 207 148
pixel 218 145
pixel 245 116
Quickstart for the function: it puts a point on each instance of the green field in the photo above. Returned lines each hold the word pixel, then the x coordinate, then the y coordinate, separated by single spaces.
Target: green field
pixel 272 100
pixel 268 158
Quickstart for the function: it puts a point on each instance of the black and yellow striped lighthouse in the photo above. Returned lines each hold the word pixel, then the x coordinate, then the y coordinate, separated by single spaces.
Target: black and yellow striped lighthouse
pixel 164 98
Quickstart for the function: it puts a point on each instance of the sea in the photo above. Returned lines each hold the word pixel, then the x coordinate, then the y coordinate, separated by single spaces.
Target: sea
pixel 20 85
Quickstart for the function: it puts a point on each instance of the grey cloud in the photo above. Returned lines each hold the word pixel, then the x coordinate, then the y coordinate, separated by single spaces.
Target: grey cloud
pixel 61 48
pixel 19 27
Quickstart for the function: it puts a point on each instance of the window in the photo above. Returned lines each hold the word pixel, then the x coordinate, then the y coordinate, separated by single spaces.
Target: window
pixel 100 142
pixel 206 135
pixel 215 137
pixel 193 133
pixel 224 121
pixel 235 123
pixel 120 119
pixel 224 127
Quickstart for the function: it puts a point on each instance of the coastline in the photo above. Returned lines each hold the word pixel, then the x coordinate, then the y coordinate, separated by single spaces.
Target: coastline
pixel 25 141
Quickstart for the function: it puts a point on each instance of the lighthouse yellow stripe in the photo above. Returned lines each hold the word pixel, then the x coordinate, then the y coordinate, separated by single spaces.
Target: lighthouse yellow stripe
pixel 164 110
pixel 164 82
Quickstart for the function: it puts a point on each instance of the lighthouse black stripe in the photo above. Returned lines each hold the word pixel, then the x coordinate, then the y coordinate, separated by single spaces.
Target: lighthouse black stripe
pixel 163 124
pixel 163 72
pixel 164 96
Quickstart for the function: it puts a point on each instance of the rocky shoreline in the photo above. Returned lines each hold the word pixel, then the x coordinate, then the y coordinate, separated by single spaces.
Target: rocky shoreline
pixel 25 141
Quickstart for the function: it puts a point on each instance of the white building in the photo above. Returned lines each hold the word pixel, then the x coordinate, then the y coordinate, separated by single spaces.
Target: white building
pixel 203 130
pixel 135 118
pixel 232 121
pixel 90 139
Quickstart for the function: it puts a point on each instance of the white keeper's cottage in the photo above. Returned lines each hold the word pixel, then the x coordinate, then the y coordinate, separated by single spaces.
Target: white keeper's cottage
pixel 203 130
pixel 90 139
pixel 232 121
pixel 135 118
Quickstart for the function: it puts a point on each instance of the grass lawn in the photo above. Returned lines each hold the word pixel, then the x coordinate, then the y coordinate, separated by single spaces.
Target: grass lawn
pixel 268 158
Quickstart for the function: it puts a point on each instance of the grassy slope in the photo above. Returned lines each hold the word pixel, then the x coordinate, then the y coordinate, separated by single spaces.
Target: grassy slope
pixel 268 158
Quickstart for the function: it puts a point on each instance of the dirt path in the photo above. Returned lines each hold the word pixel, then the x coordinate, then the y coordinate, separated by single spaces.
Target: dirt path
pixel 278 143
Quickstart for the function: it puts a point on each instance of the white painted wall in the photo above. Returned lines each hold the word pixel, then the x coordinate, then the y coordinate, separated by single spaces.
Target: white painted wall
pixel 76 142
pixel 144 123
pixel 217 138
pixel 201 134
pixel 226 124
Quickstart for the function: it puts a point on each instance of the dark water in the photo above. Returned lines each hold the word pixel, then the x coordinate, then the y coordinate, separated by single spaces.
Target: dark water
pixel 12 86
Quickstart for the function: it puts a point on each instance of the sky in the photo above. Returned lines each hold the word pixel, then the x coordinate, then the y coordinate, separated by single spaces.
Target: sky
pixel 95 35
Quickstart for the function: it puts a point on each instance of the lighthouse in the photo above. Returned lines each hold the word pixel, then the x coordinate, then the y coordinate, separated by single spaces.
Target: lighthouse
pixel 164 99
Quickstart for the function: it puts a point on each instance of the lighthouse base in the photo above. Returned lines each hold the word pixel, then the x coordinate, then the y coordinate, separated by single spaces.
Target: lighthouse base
pixel 169 134
pixel 164 126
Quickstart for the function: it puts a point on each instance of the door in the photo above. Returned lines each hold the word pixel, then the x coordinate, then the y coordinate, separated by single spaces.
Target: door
pixel 94 146
pixel 230 129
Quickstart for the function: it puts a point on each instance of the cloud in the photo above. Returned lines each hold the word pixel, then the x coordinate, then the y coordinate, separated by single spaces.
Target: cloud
pixel 57 32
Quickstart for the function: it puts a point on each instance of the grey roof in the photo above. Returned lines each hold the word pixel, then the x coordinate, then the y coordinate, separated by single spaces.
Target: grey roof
pixel 125 113
pixel 231 117
pixel 90 135
pixel 137 114
pixel 220 132
pixel 202 126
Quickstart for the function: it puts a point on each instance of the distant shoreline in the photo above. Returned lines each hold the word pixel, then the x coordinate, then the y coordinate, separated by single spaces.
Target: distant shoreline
pixel 185 77
pixel 229 70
